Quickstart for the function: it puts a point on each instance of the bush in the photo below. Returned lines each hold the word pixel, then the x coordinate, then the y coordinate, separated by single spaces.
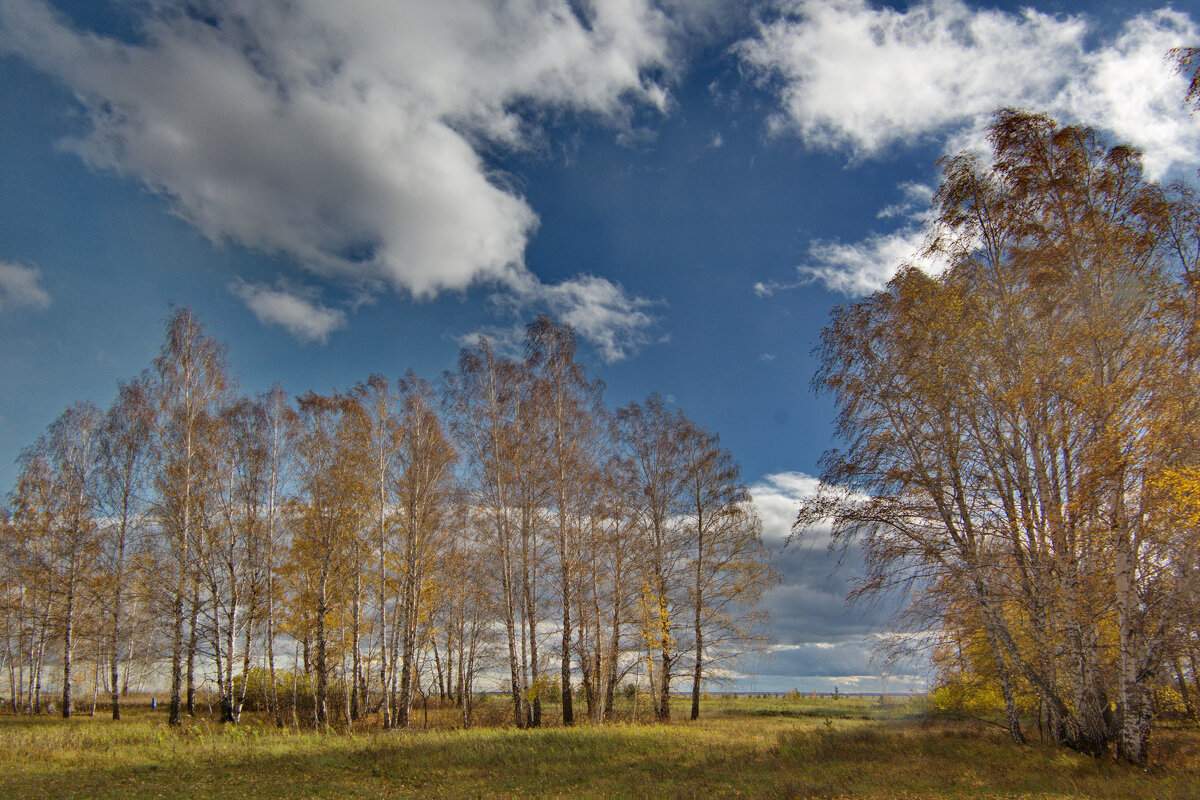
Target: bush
pixel 1168 702
pixel 972 699
pixel 545 688
pixel 258 692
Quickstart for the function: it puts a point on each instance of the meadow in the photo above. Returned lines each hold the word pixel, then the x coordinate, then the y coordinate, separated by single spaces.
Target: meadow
pixel 741 747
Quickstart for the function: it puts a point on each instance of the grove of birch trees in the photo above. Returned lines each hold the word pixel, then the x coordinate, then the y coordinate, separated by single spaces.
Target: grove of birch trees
pixel 331 558
pixel 1021 435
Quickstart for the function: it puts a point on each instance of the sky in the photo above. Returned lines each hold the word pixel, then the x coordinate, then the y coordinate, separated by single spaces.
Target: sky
pixel 340 189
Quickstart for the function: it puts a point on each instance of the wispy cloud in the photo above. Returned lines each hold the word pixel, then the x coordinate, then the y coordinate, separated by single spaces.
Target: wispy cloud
pixel 768 288
pixel 913 206
pixel 505 340
pixel 865 266
pixel 21 287
pixel 852 76
pixel 614 321
pixel 609 318
pixel 296 310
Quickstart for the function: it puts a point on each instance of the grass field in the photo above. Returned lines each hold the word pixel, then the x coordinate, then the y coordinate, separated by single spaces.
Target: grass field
pixel 743 747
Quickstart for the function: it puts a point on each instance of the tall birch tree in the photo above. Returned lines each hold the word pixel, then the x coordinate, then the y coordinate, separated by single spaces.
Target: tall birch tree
pixel 190 382
pixel 125 455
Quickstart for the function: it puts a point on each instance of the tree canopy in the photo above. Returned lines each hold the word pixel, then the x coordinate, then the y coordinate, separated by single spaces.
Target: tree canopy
pixel 1021 429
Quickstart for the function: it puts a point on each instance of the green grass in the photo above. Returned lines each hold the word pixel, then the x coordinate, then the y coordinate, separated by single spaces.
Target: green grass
pixel 852 747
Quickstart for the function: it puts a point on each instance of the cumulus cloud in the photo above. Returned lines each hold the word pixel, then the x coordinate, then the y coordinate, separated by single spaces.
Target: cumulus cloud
pixel 849 75
pixel 21 287
pixel 296 310
pixel 777 498
pixel 1133 91
pixel 862 79
pixel 348 136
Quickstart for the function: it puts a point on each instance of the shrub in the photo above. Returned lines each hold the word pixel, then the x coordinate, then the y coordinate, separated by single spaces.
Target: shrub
pixel 973 699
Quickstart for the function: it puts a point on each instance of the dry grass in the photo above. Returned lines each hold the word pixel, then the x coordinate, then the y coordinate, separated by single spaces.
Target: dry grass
pixel 741 748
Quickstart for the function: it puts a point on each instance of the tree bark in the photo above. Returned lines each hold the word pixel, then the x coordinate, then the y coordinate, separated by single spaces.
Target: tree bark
pixel 320 710
pixel 68 646
pixel 193 641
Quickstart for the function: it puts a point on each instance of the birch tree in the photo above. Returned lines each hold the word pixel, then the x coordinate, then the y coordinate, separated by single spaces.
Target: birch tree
pixel 231 557
pixel 380 432
pixel 191 380
pixel 125 460
pixel 280 419
pixel 330 517
pixel 1008 420
pixel 481 398
pixel 27 548
pixel 569 402
pixel 70 449
pixel 729 568
pixel 424 491
pixel 654 437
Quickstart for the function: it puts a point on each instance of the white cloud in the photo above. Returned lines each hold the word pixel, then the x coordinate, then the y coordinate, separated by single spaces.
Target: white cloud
pixel 295 310
pixel 859 268
pixel 852 76
pixel 940 70
pixel 601 311
pixel 914 205
pixel 347 136
pixel 777 498
pixel 20 287
pixel 1132 90
pixel 820 641
pixel 506 340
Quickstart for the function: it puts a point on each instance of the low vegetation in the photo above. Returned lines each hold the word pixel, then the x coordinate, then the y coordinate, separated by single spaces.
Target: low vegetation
pixel 741 747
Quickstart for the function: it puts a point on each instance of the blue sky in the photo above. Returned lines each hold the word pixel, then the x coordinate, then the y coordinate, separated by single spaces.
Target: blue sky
pixel 341 189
